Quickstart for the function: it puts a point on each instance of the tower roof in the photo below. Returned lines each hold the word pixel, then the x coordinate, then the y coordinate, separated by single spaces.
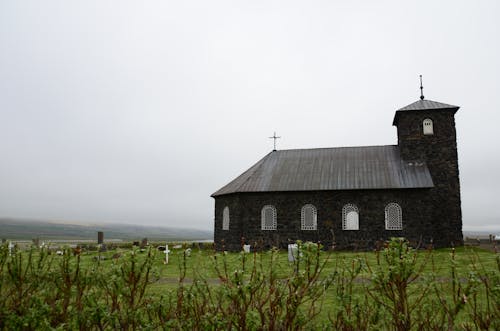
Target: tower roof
pixel 422 105
pixel 427 105
pixel 344 168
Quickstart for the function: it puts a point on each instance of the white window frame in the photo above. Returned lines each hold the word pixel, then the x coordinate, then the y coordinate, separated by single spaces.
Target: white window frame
pixel 348 208
pixel 391 208
pixel 303 211
pixel 225 218
pixel 263 222
pixel 428 127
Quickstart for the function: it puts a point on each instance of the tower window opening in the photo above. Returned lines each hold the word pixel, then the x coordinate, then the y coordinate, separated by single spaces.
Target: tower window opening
pixel 428 127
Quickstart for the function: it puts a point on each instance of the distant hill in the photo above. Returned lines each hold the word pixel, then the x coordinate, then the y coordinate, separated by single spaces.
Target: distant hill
pixel 479 234
pixel 29 229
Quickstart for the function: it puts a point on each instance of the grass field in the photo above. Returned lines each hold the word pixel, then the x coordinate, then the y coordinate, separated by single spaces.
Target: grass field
pixel 396 288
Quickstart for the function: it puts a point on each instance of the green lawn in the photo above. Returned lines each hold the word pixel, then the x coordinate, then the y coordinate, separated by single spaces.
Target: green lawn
pixel 201 262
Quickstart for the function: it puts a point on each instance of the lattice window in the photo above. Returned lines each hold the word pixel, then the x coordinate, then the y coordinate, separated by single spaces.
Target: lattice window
pixel 225 218
pixel 268 218
pixel 428 127
pixel 393 217
pixel 308 218
pixel 350 217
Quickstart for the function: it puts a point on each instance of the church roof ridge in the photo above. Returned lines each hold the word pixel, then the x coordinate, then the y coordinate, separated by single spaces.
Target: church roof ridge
pixel 327 148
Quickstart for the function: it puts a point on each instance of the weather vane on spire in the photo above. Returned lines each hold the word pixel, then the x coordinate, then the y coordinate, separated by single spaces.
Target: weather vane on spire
pixel 421 89
pixel 274 137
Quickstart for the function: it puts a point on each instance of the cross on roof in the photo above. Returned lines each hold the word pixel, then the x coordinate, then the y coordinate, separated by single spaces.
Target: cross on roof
pixel 274 137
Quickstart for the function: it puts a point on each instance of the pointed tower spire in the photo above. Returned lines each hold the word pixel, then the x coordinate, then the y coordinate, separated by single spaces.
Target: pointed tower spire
pixel 421 89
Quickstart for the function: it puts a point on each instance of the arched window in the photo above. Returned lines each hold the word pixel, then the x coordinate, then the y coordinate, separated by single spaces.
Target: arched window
pixel 350 217
pixel 428 127
pixel 308 218
pixel 393 217
pixel 225 218
pixel 268 218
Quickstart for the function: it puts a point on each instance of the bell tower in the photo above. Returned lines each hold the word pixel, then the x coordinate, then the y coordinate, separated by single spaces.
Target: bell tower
pixel 427 134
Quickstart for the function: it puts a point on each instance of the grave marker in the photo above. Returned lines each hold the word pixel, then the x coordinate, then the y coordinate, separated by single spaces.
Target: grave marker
pixel 293 252
pixel 167 251
pixel 100 237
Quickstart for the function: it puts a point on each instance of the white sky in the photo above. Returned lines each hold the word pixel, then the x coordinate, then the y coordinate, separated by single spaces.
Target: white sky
pixel 136 111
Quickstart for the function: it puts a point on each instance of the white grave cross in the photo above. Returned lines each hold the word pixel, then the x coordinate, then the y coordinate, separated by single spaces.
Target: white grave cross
pixel 167 251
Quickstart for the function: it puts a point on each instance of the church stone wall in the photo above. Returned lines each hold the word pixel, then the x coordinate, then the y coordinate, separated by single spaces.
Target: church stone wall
pixel 419 219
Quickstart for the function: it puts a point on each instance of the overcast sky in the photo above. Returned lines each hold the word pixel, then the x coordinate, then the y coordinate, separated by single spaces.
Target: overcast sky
pixel 137 111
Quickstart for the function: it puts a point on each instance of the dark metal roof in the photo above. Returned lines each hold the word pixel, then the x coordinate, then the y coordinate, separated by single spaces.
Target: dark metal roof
pixel 344 168
pixel 424 105
pixel 427 105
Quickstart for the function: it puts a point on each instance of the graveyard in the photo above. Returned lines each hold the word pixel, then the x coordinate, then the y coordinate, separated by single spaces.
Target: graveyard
pixel 184 285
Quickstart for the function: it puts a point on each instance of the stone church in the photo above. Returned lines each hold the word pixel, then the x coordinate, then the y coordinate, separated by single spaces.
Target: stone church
pixel 351 197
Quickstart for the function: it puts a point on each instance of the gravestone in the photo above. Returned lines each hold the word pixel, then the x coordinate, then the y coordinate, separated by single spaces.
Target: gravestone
pixel 246 248
pixel 100 237
pixel 144 242
pixel 293 251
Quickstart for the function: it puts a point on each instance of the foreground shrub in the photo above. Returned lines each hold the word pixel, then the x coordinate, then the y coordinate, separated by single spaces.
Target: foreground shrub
pixel 396 288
